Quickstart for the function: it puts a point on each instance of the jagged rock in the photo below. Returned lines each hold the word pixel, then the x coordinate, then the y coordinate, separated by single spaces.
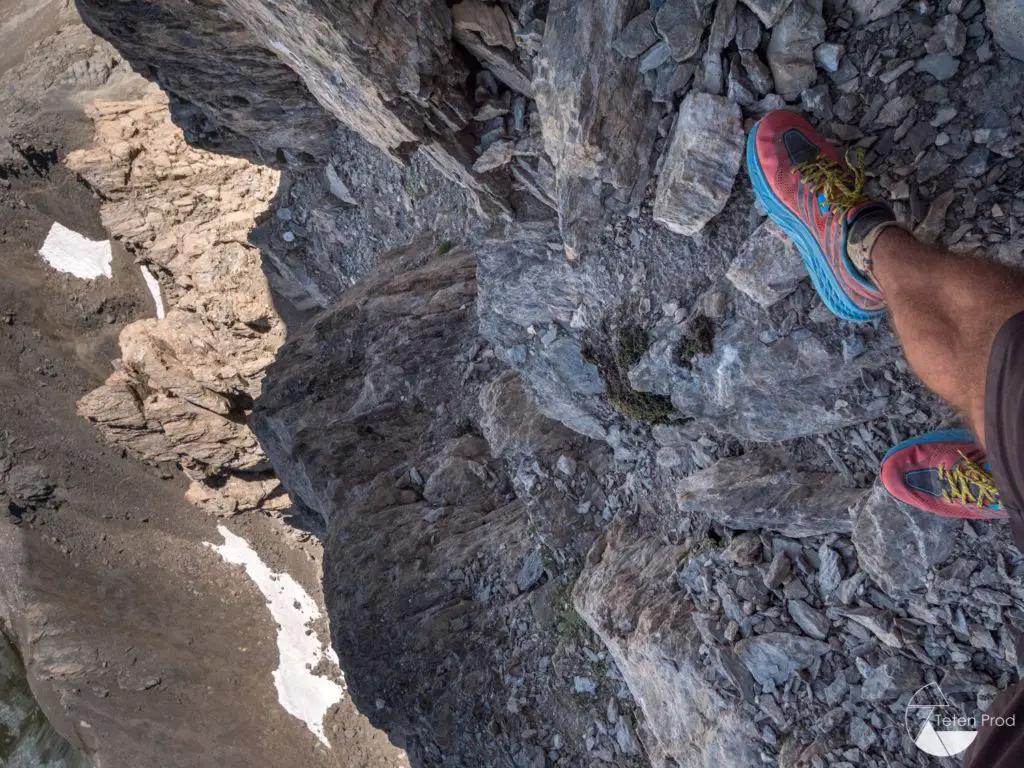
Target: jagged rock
pixel 897 545
pixel 638 36
pixel 761 490
pixel 872 10
pixel 748 29
pixel 812 622
pixel 489 21
pixel 773 658
pixel 791 49
pixel 700 165
pixel 758 72
pixel 767 392
pixel 30 484
pixel 891 679
pixel 768 11
pixel 681 23
pixel 723 29
pixel 624 595
pixel 827 56
pixel 495 156
pixel 601 133
pixel 1006 20
pixel 768 267
pixel 941 66
pixel 183 385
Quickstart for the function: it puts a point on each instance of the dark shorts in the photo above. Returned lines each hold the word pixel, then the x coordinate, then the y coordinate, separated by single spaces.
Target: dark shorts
pixel 1004 439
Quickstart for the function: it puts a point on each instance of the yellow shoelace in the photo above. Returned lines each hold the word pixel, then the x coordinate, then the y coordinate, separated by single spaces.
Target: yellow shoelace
pixel 969 483
pixel 842 184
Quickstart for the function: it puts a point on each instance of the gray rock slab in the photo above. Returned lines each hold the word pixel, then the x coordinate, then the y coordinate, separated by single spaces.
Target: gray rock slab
pixel 896 544
pixel 791 48
pixel 761 490
pixel 768 11
pixel 681 23
pixel 773 658
pixel 768 267
pixel 941 66
pixel 638 36
pixel 1006 20
pixel 700 165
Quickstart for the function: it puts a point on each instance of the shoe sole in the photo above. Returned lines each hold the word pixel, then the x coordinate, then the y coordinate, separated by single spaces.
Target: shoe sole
pixel 818 267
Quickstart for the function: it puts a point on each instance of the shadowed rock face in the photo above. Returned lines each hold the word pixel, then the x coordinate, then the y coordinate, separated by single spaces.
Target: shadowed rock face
pixel 364 416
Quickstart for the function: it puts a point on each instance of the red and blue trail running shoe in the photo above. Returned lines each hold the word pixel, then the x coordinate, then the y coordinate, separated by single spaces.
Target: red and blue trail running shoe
pixel 816 196
pixel 945 473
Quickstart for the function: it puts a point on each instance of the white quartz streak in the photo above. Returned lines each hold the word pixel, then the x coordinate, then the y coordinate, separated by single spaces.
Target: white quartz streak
pixel 302 693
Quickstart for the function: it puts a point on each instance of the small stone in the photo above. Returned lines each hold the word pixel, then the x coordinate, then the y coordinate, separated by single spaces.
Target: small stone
pixel 748 29
pixel 953 33
pixel 778 570
pixel 499 154
pixel 827 56
pixel 655 57
pixel 566 465
pixel 818 102
pixel 829 573
pixel 790 51
pixel 943 116
pixel 877 623
pixel 489 21
pixel 812 622
pixel 941 66
pixel 768 11
pixel 681 23
pixel 758 72
pixel 891 679
pixel 531 571
pixel 768 267
pixel 895 110
pixel 773 658
pixel 638 36
pixel 894 73
pixel 584 685
pixel 976 162
pixel 862 735
pixel 853 347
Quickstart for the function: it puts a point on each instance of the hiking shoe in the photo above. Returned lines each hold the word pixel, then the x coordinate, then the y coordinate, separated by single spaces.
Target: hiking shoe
pixel 816 196
pixel 945 473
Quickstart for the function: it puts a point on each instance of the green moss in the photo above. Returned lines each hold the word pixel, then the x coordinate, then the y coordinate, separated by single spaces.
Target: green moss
pixel 633 344
pixel 445 247
pixel 699 340
pixel 569 625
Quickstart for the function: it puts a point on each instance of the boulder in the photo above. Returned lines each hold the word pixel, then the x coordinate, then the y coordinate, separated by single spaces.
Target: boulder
pixel 681 23
pixel 897 545
pixel 761 490
pixel 700 164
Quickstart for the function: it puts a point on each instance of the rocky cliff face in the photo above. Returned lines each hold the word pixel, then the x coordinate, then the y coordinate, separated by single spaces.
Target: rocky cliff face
pixel 555 189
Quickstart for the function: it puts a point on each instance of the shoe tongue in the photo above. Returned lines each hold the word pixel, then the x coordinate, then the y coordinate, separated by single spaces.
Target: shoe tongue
pixel 865 217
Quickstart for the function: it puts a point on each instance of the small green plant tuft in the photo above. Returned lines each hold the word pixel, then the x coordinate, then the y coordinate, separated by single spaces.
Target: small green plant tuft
pixel 699 340
pixel 445 247
pixel 634 342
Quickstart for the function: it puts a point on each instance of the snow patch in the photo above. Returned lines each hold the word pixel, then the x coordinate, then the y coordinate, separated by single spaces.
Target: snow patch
pixel 67 251
pixel 302 694
pixel 154 290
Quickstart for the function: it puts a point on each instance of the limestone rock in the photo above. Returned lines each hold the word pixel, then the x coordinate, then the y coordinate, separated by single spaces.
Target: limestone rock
pixel 638 36
pixel 897 545
pixel 768 267
pixel 1006 20
pixel 761 391
pixel 624 595
pixel 768 11
pixel 183 385
pixel 489 21
pixel 773 658
pixel 892 678
pixel 701 163
pixel 761 490
pixel 681 23
pixel 791 48
pixel 598 133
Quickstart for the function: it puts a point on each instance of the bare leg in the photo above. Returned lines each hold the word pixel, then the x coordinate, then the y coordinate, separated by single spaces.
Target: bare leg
pixel 947 309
